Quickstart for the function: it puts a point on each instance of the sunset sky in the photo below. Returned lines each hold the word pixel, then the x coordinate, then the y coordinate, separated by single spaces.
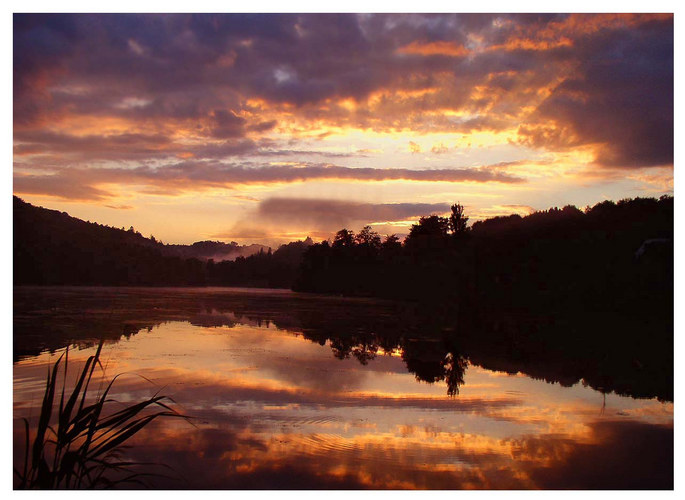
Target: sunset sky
pixel 269 128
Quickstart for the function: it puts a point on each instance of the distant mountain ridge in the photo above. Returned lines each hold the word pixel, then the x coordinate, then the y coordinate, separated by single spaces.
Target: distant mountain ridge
pixel 215 250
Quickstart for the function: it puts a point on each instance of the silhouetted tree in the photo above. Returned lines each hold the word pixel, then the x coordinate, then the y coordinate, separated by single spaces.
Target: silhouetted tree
pixel 432 226
pixel 366 236
pixel 343 238
pixel 428 236
pixel 391 247
pixel 457 221
pixel 454 367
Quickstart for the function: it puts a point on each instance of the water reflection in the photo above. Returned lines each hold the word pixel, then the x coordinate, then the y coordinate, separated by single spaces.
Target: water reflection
pixel 273 407
pixel 434 345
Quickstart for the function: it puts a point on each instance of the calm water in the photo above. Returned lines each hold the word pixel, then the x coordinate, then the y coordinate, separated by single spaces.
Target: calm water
pixel 299 392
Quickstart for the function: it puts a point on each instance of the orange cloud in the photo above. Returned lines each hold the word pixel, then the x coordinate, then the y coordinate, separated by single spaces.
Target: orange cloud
pixel 438 48
pixel 531 44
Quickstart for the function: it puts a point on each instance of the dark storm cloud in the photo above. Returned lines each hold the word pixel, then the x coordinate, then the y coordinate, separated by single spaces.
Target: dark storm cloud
pixel 296 59
pixel 64 149
pixel 227 124
pixel 621 97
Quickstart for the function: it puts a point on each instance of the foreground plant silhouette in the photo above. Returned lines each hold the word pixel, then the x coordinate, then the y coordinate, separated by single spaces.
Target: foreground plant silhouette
pixel 84 444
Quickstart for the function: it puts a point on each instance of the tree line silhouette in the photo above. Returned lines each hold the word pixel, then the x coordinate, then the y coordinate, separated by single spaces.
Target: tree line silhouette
pixel 616 256
pixel 612 255
pixel 561 294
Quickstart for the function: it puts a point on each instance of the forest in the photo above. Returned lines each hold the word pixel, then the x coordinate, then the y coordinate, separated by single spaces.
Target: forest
pixel 617 254
pixel 612 256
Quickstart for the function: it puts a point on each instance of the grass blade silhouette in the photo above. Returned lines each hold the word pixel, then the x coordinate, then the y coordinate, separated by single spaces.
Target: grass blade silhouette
pixel 84 447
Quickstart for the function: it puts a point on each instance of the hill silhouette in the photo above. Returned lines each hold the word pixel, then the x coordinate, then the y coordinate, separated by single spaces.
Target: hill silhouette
pixel 53 248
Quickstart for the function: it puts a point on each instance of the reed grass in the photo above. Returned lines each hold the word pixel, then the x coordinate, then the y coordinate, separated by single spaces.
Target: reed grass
pixel 79 445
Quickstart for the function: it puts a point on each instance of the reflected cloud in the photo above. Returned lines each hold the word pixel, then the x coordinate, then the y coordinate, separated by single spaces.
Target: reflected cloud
pixel 273 408
pixel 242 456
pixel 573 465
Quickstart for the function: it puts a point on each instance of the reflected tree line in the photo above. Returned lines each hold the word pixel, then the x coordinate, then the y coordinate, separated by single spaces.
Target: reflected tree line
pixel 610 353
pixel 607 353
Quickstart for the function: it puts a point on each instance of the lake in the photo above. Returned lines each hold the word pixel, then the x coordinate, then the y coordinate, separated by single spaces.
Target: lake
pixel 295 391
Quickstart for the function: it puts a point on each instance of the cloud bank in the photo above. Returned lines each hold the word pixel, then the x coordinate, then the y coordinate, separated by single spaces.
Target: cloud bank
pixel 149 84
pixel 84 184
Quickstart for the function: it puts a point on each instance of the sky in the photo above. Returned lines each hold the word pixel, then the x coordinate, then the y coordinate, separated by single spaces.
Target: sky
pixel 268 128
